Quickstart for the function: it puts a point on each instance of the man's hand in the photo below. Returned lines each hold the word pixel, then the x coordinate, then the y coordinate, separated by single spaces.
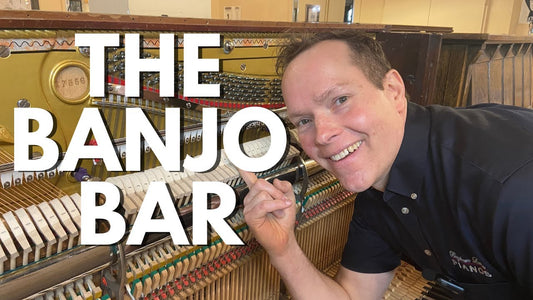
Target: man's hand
pixel 269 211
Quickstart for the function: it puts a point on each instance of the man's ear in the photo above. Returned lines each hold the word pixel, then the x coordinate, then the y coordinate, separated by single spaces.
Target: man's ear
pixel 395 89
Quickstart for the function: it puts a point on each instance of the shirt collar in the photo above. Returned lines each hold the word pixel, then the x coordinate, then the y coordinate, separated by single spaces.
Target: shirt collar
pixel 407 172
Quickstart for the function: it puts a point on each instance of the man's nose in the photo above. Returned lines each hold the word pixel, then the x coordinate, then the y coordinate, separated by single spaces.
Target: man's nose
pixel 327 128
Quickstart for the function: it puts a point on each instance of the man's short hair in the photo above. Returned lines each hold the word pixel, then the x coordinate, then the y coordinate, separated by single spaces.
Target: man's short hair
pixel 366 52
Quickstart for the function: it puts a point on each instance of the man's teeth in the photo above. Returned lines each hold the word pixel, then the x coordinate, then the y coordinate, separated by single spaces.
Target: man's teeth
pixel 346 151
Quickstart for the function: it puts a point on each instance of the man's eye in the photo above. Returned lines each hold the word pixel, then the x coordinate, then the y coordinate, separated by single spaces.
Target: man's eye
pixel 341 100
pixel 303 122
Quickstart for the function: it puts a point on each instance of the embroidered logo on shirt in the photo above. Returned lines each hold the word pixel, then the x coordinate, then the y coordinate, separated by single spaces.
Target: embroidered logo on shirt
pixel 470 265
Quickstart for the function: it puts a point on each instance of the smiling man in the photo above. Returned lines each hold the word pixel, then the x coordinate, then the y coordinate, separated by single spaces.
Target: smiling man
pixel 447 189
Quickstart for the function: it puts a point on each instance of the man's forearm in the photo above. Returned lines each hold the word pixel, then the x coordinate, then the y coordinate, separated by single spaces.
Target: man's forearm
pixel 303 280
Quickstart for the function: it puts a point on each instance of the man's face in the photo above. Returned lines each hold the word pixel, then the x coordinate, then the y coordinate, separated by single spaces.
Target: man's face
pixel 345 123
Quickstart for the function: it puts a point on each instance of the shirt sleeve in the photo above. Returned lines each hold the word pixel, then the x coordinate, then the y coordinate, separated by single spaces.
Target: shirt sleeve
pixel 365 250
pixel 513 226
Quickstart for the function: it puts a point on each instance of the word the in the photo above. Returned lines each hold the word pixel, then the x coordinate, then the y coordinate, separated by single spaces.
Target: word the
pixel 192 65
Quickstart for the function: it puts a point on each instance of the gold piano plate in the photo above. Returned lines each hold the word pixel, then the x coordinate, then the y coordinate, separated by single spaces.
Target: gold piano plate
pixel 70 82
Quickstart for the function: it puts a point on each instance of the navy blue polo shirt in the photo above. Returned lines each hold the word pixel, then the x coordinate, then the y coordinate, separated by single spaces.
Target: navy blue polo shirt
pixel 459 201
